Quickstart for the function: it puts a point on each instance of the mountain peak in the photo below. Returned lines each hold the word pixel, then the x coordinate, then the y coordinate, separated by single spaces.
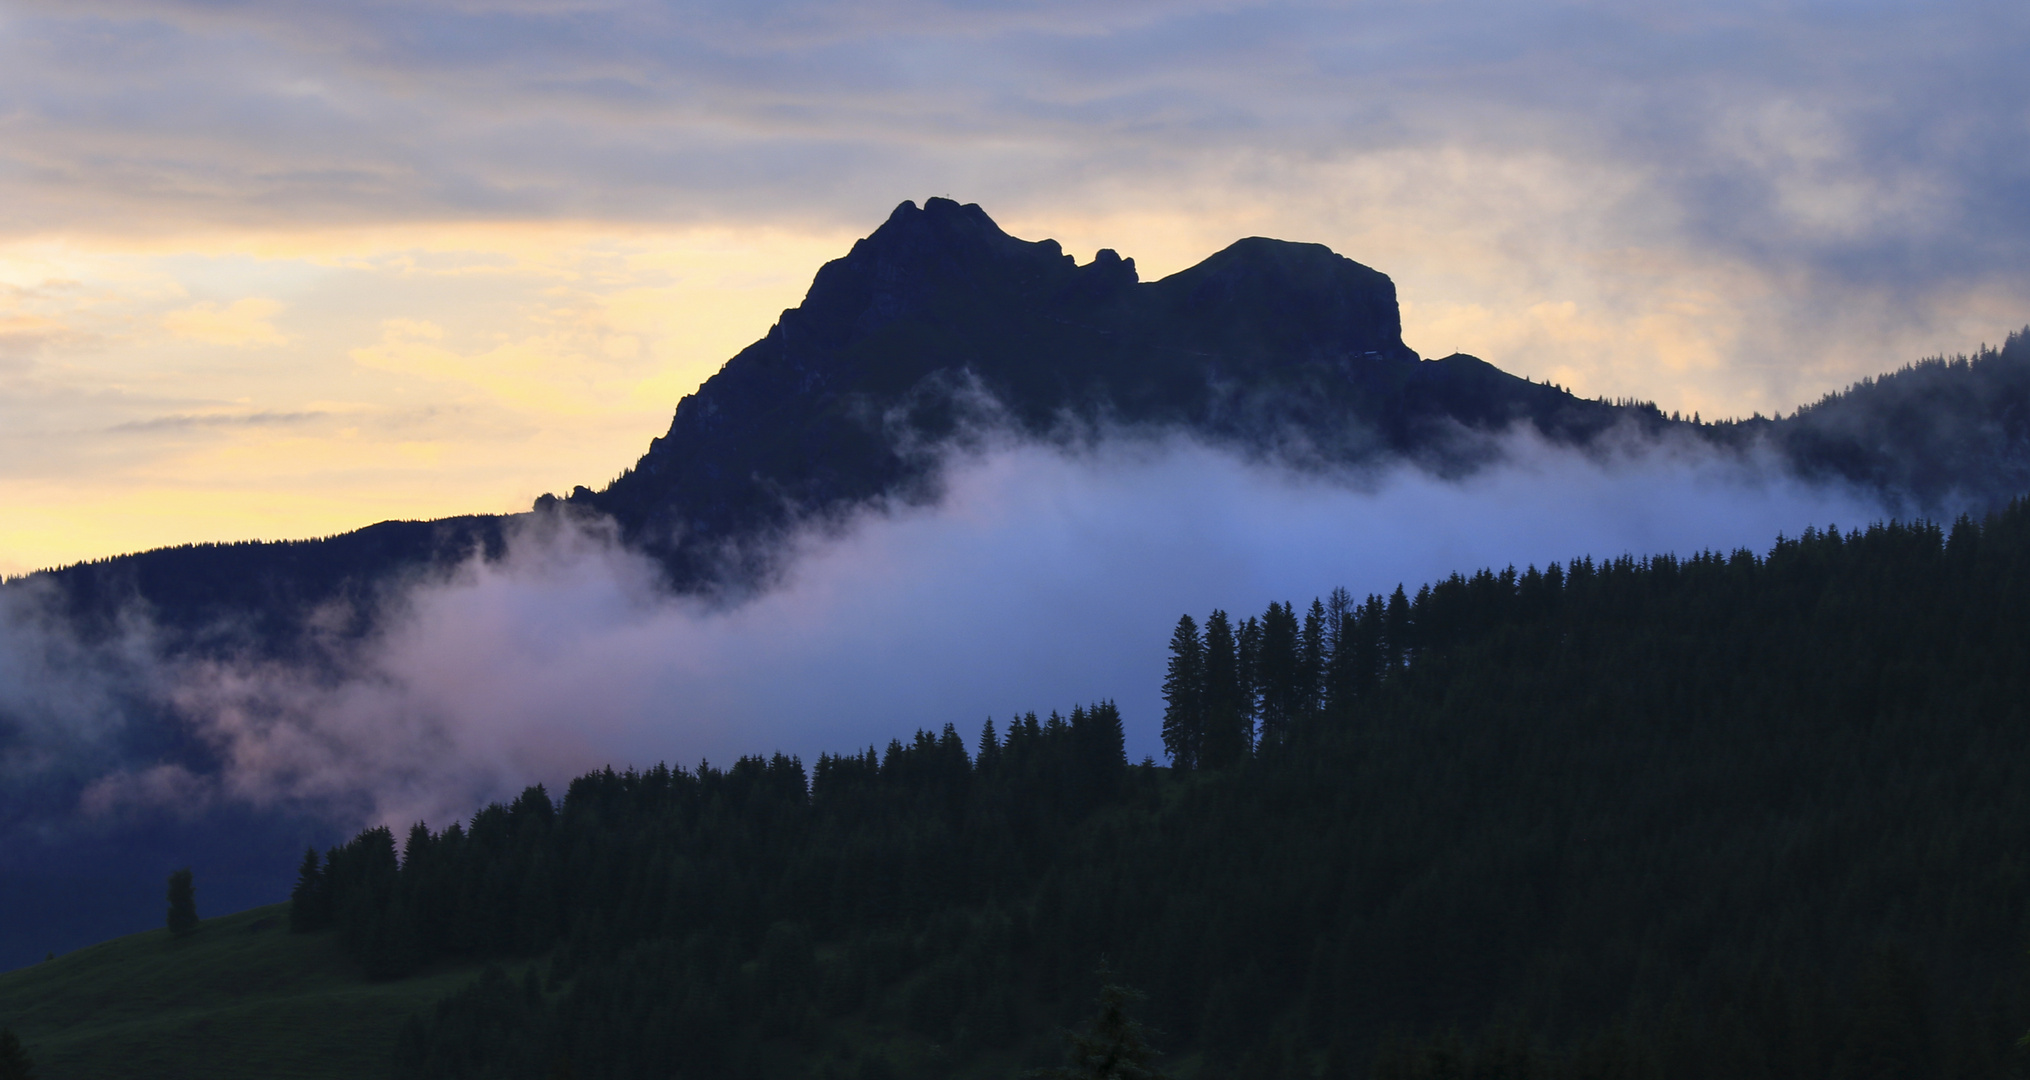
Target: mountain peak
pixel 913 263
pixel 1264 336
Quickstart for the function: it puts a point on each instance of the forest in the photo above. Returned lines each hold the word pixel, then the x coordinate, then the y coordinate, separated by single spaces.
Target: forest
pixel 1727 814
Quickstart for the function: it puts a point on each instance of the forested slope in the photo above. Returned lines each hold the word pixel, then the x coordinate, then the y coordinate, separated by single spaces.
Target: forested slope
pixel 1728 814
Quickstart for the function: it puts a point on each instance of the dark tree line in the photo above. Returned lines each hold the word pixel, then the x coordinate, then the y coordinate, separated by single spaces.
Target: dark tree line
pixel 1672 817
pixel 1233 688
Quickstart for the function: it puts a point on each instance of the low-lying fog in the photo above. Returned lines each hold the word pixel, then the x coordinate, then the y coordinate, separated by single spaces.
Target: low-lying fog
pixel 1045 577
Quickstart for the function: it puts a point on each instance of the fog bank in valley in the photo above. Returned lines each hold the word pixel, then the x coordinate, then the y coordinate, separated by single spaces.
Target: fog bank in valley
pixel 1044 577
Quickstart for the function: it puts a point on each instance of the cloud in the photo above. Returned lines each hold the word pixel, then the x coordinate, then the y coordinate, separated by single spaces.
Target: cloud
pixel 1809 135
pixel 243 323
pixel 1046 577
pixel 1832 188
pixel 208 420
pixel 66 700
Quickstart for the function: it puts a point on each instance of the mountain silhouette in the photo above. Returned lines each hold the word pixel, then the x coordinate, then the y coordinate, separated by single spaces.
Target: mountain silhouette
pixel 936 329
pixel 939 325
pixel 939 320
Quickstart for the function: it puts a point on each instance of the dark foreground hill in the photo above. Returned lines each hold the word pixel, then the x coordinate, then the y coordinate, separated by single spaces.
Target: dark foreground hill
pixel 1725 815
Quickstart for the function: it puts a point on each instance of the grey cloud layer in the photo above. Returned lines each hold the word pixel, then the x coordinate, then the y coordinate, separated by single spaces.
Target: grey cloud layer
pixel 1873 142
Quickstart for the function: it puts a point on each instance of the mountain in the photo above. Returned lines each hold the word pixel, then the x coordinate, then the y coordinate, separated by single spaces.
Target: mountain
pixel 936 328
pixel 939 324
pixel 935 323
pixel 939 319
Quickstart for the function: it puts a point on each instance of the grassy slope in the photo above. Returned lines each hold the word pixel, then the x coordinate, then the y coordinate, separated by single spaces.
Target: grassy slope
pixel 241 997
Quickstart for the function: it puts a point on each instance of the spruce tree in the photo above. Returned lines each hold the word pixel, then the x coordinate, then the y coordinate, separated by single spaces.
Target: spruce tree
pixel 1336 695
pixel 1249 640
pixel 1311 661
pixel 1396 631
pixel 309 907
pixel 1277 667
pixel 182 903
pixel 1184 696
pixel 1226 738
pixel 990 748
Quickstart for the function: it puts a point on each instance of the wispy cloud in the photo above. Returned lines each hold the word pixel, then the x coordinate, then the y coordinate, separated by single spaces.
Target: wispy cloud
pixel 1798 164
pixel 215 420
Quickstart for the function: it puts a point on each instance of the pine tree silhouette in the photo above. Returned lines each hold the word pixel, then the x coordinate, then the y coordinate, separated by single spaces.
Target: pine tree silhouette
pixel 182 903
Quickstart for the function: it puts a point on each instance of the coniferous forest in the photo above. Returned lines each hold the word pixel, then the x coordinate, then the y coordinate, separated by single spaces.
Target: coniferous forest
pixel 1731 814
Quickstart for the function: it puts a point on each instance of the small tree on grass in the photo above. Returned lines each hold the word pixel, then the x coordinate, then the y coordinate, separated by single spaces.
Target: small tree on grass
pixel 1113 1045
pixel 310 901
pixel 14 1063
pixel 182 903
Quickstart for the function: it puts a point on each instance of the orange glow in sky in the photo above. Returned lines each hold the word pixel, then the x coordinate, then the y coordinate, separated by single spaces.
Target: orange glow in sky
pixel 282 273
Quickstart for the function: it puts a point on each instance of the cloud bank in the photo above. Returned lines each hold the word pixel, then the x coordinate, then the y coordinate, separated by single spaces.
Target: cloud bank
pixel 1046 577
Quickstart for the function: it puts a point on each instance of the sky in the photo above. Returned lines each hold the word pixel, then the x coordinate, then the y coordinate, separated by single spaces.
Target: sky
pixel 283 270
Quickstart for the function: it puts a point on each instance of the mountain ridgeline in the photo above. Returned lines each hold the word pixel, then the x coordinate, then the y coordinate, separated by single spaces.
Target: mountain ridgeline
pixel 936 327
pixel 939 323
pixel 1669 817
pixel 940 319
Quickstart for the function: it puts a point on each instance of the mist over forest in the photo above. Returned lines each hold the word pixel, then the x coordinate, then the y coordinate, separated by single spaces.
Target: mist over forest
pixel 1040 576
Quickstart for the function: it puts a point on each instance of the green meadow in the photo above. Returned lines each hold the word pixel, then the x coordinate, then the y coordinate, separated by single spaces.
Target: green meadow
pixel 239 997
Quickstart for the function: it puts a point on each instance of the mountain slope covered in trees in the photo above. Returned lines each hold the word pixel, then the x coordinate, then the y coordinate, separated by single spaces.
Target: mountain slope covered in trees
pixel 1721 815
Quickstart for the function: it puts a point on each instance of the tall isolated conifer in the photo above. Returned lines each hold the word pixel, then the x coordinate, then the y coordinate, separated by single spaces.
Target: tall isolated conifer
pixel 309 901
pixel 1184 696
pixel 182 903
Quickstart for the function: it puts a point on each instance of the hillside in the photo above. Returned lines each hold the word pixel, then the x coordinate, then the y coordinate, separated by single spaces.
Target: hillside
pixel 1724 815
pixel 934 325
pixel 1673 818
pixel 239 998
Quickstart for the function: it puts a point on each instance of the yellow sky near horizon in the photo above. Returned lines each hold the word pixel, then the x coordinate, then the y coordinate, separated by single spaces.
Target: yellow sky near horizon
pixel 170 390
pixel 276 386
pixel 282 271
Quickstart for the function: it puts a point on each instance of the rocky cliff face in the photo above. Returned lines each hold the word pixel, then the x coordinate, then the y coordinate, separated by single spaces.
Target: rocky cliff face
pixel 939 320
pixel 938 310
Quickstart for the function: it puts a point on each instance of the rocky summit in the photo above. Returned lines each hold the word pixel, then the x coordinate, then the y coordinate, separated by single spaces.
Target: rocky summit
pixel 939 317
